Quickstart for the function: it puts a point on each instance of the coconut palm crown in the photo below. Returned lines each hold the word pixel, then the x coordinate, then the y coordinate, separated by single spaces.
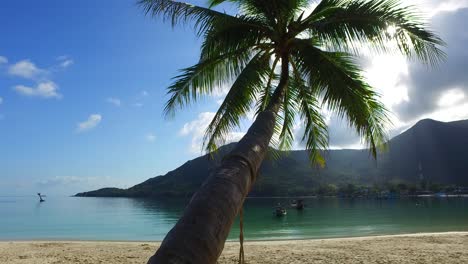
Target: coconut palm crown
pixel 271 40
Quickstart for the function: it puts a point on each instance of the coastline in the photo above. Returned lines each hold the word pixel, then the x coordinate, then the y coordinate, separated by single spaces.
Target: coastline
pixel 433 195
pixel 447 247
pixel 67 240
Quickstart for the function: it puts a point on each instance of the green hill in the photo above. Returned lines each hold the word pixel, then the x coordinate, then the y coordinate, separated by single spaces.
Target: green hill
pixel 431 153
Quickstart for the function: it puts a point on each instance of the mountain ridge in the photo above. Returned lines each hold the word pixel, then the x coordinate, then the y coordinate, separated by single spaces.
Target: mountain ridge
pixel 429 153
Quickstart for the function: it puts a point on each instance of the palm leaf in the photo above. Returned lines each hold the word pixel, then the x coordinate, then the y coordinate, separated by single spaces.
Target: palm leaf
pixel 347 25
pixel 289 110
pixel 266 93
pixel 204 77
pixel 228 35
pixel 178 12
pixel 315 130
pixel 338 79
pixel 238 101
pixel 285 10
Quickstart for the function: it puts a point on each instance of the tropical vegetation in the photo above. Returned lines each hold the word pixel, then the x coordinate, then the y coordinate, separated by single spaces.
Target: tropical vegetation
pixel 288 60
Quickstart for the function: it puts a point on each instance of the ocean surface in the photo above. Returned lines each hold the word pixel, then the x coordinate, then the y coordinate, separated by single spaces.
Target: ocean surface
pixel 73 218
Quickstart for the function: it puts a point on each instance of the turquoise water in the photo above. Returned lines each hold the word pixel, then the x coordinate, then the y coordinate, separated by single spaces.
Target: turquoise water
pixel 24 218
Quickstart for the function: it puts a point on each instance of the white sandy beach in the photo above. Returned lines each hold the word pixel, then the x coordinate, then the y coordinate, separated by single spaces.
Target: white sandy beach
pixel 417 248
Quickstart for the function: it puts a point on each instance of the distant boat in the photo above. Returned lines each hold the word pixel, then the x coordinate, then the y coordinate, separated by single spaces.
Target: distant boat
pixel 40 197
pixel 280 211
pixel 298 204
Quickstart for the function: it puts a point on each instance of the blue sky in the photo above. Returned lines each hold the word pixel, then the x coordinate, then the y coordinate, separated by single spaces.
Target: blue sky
pixel 82 91
pixel 95 52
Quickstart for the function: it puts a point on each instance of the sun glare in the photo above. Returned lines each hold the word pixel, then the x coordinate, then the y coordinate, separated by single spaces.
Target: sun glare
pixel 391 30
pixel 385 73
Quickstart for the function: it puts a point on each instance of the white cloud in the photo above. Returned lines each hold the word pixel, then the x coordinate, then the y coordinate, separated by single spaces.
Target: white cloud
pixel 66 63
pixel 47 89
pixel 138 104
pixel 198 125
pixel 450 113
pixel 150 137
pixel 44 88
pixel 433 7
pixel 114 101
pixel 92 121
pixel 25 69
pixel 3 60
pixel 196 128
pixel 220 92
pixel 447 113
pixel 426 86
pixel 451 97
pixel 427 7
pixel 385 73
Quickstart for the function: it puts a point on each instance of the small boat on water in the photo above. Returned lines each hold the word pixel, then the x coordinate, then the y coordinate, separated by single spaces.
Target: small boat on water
pixel 298 204
pixel 280 211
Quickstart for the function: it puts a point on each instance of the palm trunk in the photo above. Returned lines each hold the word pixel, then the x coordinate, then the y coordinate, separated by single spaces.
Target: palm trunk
pixel 199 235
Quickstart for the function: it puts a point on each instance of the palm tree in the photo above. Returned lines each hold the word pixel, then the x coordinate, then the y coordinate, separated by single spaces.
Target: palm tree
pixel 287 64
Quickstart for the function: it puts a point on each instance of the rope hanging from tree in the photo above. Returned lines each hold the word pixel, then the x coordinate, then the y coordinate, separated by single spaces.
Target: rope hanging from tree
pixel 241 236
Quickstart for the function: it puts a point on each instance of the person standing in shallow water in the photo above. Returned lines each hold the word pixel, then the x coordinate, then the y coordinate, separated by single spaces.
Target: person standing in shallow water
pixel 40 197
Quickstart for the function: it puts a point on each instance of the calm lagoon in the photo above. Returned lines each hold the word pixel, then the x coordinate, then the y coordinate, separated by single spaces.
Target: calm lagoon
pixel 73 218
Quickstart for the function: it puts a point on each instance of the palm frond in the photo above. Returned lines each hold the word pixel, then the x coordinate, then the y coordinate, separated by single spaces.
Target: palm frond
pixel 346 25
pixel 182 13
pixel 227 35
pixel 238 101
pixel 315 130
pixel 336 76
pixel 204 77
pixel 267 92
pixel 289 110
pixel 226 49
pixel 269 9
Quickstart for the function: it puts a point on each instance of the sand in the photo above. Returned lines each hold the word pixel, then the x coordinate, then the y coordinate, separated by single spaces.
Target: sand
pixel 420 248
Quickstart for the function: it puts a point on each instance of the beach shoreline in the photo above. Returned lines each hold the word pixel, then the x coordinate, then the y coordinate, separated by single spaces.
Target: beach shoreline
pixel 447 247
pixel 237 241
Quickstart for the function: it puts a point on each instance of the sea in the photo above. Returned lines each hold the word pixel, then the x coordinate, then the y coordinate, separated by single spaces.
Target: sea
pixel 128 219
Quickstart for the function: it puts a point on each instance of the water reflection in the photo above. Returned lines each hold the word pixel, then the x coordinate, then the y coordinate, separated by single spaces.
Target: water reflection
pixel 150 219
